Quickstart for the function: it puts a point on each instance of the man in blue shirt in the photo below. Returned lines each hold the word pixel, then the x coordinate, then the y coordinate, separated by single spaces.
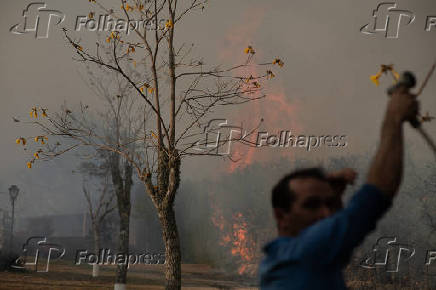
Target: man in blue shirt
pixel 316 235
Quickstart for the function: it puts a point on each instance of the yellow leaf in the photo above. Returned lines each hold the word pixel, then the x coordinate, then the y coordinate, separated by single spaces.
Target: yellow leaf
pixel 247 80
pixel 34 112
pixel 256 84
pixel 142 89
pixel 384 68
pixel 279 62
pixel 18 141
pixel 169 24
pixel 91 15
pixel 270 74
pixel 249 49
pixel 374 79
pixel 29 164
pixel 108 40
pixel 44 112
pixel 151 90
pixel 40 138
pixel 36 155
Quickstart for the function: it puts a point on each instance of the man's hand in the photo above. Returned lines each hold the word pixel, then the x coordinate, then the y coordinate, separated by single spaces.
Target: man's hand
pixel 347 175
pixel 402 106
pixel 339 180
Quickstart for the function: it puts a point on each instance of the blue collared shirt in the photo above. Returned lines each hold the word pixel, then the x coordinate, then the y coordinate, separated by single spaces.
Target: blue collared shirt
pixel 316 257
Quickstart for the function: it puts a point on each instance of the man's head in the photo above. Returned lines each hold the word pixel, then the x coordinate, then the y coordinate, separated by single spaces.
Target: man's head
pixel 302 198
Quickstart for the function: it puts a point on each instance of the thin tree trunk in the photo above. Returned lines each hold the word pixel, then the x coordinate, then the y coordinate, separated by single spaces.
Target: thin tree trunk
pixel 122 189
pixel 96 231
pixel 172 248
pixel 123 246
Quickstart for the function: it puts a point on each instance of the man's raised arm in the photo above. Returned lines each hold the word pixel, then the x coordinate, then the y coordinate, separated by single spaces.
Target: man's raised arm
pixel 334 238
pixel 387 166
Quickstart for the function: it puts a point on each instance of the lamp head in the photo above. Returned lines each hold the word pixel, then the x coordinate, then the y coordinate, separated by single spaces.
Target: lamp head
pixel 13 192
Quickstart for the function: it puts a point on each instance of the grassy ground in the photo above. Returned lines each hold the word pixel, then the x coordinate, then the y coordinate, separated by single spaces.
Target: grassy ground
pixel 66 275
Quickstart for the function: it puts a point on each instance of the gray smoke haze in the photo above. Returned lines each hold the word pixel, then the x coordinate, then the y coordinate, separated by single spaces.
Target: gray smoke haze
pixel 325 78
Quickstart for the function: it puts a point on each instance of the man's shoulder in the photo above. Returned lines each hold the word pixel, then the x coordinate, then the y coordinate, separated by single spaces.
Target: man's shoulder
pixel 273 246
pixel 370 195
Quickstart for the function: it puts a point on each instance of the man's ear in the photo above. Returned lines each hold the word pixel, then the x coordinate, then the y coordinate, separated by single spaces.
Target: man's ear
pixel 279 213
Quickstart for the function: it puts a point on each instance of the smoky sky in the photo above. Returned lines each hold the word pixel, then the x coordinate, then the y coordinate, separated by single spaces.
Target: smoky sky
pixel 328 62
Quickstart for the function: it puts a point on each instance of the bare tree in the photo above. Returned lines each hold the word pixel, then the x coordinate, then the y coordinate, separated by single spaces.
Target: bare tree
pixel 104 131
pixel 179 92
pixel 100 201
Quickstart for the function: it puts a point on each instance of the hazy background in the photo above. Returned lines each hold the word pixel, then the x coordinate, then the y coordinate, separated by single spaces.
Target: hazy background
pixel 324 83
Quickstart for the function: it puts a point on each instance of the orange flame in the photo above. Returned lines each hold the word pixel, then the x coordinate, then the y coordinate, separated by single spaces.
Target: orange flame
pixel 237 239
pixel 243 246
pixel 275 109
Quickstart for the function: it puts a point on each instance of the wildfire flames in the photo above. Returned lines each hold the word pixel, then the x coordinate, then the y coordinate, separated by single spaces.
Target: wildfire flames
pixel 278 113
pixel 276 110
pixel 243 247
pixel 236 237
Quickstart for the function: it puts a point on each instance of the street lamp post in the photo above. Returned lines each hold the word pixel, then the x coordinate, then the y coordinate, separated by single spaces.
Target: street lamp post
pixel 13 194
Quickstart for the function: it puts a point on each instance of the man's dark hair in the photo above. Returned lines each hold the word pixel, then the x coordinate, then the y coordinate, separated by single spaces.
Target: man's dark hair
pixel 282 195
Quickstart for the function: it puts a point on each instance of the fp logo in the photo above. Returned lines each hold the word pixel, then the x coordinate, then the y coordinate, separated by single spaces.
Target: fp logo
pixel 218 137
pixel 386 18
pixel 37 247
pixel 37 19
pixel 387 253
